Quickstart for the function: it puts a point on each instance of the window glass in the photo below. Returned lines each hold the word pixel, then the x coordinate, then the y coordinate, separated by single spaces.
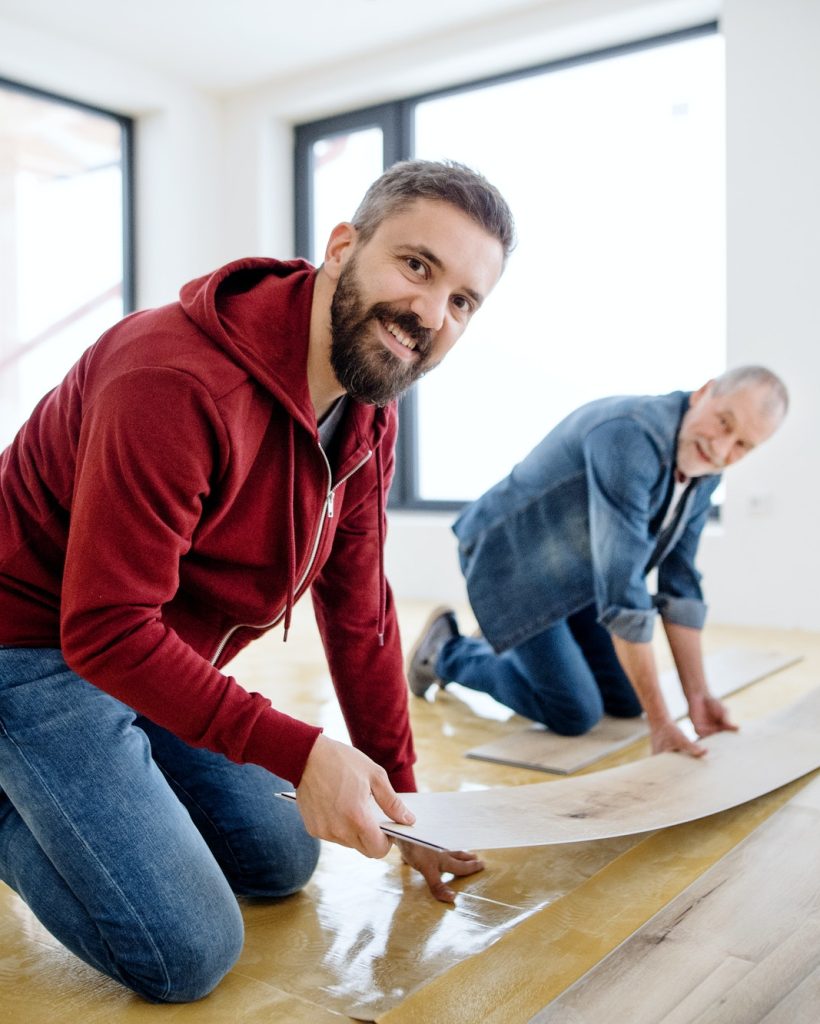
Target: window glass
pixel 614 171
pixel 61 243
pixel 343 167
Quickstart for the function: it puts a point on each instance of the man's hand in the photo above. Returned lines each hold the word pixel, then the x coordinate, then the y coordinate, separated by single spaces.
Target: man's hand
pixel 709 715
pixel 668 736
pixel 334 798
pixel 432 863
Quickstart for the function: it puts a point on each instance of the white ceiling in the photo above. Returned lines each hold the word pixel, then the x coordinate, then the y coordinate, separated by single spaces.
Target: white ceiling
pixel 225 45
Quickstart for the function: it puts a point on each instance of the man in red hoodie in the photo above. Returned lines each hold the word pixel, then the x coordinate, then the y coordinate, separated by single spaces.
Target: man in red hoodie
pixel 200 468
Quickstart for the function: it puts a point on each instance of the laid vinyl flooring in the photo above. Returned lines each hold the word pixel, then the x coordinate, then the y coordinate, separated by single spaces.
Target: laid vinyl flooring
pixel 365 941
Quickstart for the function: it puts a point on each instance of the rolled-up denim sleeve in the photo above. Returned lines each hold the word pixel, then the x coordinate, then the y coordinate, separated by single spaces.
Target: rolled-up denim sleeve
pixel 622 465
pixel 680 598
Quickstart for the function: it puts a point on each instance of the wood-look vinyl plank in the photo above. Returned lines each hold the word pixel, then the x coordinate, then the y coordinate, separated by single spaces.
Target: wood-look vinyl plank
pixel 799 1006
pixel 705 994
pixel 533 963
pixel 758 906
pixel 772 979
pixel 538 748
pixel 649 794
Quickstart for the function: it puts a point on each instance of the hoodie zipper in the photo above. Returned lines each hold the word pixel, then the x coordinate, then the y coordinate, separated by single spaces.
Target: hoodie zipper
pixel 327 514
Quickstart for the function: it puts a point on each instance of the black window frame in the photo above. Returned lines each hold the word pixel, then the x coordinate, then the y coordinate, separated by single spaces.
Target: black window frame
pixel 127 136
pixel 396 119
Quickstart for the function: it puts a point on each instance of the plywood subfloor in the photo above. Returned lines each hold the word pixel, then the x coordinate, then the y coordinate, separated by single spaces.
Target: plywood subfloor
pixel 365 935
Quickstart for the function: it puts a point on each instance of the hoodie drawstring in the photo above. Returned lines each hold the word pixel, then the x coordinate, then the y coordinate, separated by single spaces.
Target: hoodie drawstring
pixel 291 529
pixel 380 513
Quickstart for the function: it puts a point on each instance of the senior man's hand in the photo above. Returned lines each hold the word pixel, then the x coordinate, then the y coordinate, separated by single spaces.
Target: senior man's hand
pixel 668 737
pixel 710 715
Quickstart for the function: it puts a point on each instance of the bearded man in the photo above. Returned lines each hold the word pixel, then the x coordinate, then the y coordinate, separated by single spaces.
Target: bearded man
pixel 199 470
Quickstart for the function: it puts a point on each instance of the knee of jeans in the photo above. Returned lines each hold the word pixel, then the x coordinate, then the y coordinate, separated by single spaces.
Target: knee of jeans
pixel 624 708
pixel 275 863
pixel 190 960
pixel 577 721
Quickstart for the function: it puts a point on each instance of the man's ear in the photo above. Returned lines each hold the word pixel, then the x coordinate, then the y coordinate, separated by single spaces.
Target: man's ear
pixel 701 392
pixel 340 245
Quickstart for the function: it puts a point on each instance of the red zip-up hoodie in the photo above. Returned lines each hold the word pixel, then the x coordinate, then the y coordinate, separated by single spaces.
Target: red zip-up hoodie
pixel 170 500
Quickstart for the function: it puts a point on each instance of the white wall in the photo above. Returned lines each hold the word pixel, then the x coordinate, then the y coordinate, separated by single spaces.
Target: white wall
pixel 215 182
pixel 765 567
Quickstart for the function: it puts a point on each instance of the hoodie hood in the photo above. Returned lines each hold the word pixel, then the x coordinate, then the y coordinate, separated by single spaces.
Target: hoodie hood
pixel 258 311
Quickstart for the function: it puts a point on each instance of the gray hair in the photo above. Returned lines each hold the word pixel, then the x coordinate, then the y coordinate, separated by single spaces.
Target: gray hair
pixel 445 181
pixel 776 402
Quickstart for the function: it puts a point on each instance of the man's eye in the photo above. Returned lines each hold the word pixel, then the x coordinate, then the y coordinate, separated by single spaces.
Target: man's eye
pixel 416 265
pixel 462 303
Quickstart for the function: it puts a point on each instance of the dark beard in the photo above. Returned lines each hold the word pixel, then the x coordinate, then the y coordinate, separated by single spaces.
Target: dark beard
pixel 365 369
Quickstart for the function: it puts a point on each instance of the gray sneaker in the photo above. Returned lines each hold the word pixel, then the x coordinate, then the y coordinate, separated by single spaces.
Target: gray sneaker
pixel 440 627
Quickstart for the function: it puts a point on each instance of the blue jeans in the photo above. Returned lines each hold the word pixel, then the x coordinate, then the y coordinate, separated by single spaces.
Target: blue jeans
pixel 565 677
pixel 127 844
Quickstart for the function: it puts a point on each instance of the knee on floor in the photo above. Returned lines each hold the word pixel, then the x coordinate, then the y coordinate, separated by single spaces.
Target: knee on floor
pixel 274 863
pixel 577 722
pixel 188 960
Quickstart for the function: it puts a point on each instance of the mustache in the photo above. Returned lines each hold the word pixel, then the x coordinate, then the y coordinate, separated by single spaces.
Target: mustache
pixel 407 322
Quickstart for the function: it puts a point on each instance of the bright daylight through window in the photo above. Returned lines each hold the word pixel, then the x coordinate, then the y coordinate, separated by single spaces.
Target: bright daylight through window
pixel 614 169
pixel 61 242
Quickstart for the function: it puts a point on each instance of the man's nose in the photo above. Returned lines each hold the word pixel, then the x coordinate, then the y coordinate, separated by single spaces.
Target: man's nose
pixel 722 448
pixel 431 308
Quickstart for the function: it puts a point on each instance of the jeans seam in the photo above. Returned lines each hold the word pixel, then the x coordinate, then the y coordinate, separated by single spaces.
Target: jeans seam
pixel 115 886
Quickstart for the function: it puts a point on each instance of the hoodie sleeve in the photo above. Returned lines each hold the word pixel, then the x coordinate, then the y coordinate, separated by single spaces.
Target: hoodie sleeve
pixel 369 678
pixel 151 447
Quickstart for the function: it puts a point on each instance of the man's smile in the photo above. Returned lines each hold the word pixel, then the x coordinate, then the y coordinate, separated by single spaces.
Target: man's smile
pixel 400 336
pixel 404 343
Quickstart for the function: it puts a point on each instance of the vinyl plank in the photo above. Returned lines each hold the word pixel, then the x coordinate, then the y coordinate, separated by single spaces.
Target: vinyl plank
pixel 776 976
pixel 536 747
pixel 740 941
pixel 653 793
pixel 800 1005
pixel 727 973
pixel 537 960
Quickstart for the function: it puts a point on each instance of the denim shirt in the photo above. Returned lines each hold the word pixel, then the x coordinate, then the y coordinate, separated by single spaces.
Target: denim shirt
pixel 578 520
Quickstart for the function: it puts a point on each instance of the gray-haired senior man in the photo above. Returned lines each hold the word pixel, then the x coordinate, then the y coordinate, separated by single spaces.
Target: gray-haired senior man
pixel 556 556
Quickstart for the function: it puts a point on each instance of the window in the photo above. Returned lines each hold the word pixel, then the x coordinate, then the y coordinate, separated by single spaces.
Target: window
pixel 613 164
pixel 64 240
